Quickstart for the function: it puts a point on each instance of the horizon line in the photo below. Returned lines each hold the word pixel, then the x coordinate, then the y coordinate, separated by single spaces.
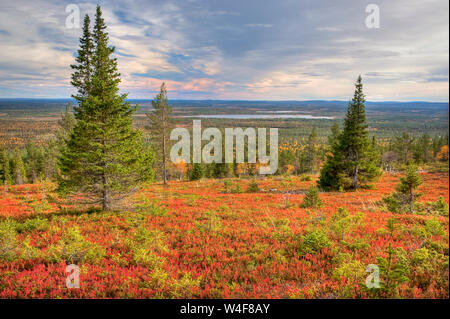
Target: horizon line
pixel 233 100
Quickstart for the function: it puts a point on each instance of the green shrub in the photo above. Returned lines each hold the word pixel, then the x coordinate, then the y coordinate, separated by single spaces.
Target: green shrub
pixel 197 172
pixel 314 242
pixel 305 178
pixel 73 248
pixel 148 207
pixel 252 187
pixel 9 244
pixel 237 189
pixel 434 227
pixel 352 270
pixel 342 222
pixel 394 271
pixel 440 206
pixel 312 199
pixel 38 223
pixel 144 246
pixel 426 261
pixel 227 185
pixel 28 251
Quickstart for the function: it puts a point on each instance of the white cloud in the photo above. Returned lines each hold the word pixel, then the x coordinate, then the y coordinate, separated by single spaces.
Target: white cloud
pixel 299 52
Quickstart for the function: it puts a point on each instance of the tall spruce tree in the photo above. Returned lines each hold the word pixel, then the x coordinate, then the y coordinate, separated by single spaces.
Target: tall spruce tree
pixel 105 158
pixel 160 123
pixel 351 162
pixel 83 69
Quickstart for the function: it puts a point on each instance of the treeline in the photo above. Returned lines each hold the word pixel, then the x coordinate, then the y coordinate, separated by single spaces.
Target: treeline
pixel 391 153
pixel 33 163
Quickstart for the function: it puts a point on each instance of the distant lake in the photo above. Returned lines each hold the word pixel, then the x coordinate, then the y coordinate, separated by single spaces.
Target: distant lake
pixel 262 116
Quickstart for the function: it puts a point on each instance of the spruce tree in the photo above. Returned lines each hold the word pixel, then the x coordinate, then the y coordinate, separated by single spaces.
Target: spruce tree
pixel 18 169
pixel 309 158
pixel 197 172
pixel 83 69
pixel 351 162
pixel 34 162
pixel 312 199
pixel 105 158
pixel 5 174
pixel 66 126
pixel 408 185
pixel 334 137
pixel 160 126
pixel 404 145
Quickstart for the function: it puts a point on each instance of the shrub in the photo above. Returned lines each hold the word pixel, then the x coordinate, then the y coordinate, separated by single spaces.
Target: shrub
pixel 227 185
pixel 440 206
pixel 314 242
pixel 39 224
pixel 404 199
pixel 197 172
pixel 9 244
pixel 28 251
pixel 342 222
pixel 252 187
pixel 434 227
pixel 148 207
pixel 73 248
pixel 312 199
pixel 394 271
pixel 237 189
pixel 144 245
pixel 352 270
pixel 425 262
pixel 305 178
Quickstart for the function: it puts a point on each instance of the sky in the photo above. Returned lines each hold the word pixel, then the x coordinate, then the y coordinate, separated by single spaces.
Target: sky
pixel 236 49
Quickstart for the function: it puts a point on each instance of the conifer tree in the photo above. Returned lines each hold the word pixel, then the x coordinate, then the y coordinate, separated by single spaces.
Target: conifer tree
pixel 160 126
pixel 350 162
pixel 408 184
pixel 309 160
pixel 197 172
pixel 83 69
pixel 5 173
pixel 312 199
pixel 334 137
pixel 404 198
pixel 404 145
pixel 105 158
pixel 18 169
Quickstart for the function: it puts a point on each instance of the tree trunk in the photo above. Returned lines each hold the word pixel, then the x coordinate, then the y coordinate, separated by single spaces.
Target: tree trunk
pixel 411 199
pixel 106 203
pixel 164 159
pixel 355 178
pixel 164 148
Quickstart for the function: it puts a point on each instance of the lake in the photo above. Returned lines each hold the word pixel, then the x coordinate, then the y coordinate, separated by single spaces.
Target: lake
pixel 261 116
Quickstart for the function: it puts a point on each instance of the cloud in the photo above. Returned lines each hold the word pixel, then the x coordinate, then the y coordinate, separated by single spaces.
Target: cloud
pixel 237 50
pixel 258 25
pixel 330 29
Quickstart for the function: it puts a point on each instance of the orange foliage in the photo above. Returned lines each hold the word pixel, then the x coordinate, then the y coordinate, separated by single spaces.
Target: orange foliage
pixel 221 245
